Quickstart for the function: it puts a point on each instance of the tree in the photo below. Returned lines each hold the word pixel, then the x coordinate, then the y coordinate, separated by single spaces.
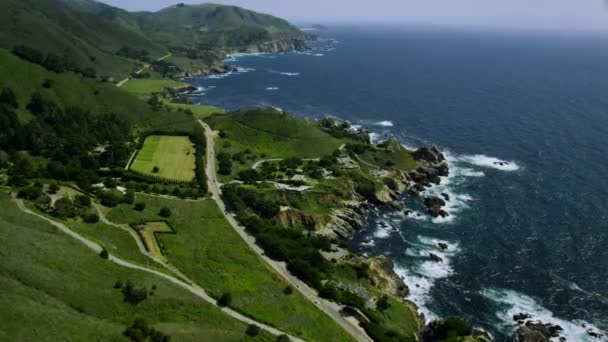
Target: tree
pixel 91 218
pixel 382 303
pixel 104 254
pixel 253 330
pixel 164 212
pixel 129 197
pixel 283 338
pixel 225 300
pixel 83 200
pixel 140 206
pixel 134 294
pixel 8 97
pixel 288 290
pixel 64 208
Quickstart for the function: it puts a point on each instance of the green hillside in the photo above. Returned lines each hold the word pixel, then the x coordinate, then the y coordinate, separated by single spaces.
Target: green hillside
pixel 211 25
pixel 86 39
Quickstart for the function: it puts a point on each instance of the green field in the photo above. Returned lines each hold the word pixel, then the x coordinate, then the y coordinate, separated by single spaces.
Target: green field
pixel 55 289
pixel 212 254
pixel 148 86
pixel 173 155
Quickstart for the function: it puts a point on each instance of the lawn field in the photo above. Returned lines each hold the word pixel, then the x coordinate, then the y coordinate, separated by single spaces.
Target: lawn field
pixel 148 234
pixel 149 86
pixel 55 289
pixel 173 155
pixel 207 250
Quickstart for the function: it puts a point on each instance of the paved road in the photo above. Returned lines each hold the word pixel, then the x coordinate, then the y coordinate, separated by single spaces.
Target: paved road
pixel 191 287
pixel 146 66
pixel 330 308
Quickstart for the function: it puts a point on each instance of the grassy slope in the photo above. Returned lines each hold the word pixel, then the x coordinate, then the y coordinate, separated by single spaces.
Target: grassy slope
pixel 174 157
pixel 60 290
pixel 88 39
pixel 208 250
pixel 149 86
pixel 192 24
pixel 276 134
pixel 73 90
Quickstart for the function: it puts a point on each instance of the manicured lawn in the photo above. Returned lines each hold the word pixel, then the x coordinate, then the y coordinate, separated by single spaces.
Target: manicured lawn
pixel 173 155
pixel 55 289
pixel 148 86
pixel 212 254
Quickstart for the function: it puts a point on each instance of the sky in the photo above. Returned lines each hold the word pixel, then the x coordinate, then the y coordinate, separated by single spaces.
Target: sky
pixel 563 15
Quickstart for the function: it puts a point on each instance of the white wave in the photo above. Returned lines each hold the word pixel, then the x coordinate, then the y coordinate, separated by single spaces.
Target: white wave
pixel 516 303
pixel 272 88
pixel 290 73
pixel 423 272
pixel 243 70
pixel 491 162
pixel 384 123
pixel 383 230
pixel 219 76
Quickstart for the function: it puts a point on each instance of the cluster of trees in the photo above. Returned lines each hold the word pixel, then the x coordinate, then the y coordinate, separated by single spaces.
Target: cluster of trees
pixel 51 61
pixel 129 52
pixel 225 163
pixel 166 69
pixel 132 293
pixel 301 252
pixel 66 137
pixel 140 331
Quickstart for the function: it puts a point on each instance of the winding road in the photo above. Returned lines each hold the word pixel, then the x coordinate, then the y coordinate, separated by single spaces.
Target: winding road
pixel 190 286
pixel 146 66
pixel 332 309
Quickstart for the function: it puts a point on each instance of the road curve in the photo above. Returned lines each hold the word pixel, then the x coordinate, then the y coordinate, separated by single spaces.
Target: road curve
pixel 192 288
pixel 330 308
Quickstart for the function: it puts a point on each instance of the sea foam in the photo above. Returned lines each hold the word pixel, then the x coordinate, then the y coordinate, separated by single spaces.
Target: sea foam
pixel 489 162
pixel 515 303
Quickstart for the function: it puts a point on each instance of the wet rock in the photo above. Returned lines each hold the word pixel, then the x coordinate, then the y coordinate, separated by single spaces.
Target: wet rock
pixel 429 154
pixel 445 196
pixel 522 316
pixel 443 246
pixel 538 332
pixel 434 206
pixel 436 258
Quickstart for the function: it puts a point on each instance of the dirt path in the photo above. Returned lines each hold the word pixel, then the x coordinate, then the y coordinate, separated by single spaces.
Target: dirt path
pixel 330 308
pixel 191 286
pixel 146 66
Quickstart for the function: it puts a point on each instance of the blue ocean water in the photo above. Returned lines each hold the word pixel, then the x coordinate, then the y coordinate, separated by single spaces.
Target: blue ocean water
pixel 528 236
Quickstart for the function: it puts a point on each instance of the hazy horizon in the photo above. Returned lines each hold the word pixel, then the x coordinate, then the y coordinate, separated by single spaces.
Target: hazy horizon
pixel 548 15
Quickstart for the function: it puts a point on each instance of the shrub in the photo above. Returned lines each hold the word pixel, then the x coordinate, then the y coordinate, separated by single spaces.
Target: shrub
pixel 140 331
pixel 283 338
pixel 134 294
pixel 155 169
pixel 288 290
pixel 140 206
pixel 129 197
pixel 253 330
pixel 7 96
pixel 382 303
pixel 53 188
pixel 450 327
pixel 91 218
pixel 225 300
pixel 118 284
pixel 30 193
pixel 164 212
pixel 83 200
pixel 104 254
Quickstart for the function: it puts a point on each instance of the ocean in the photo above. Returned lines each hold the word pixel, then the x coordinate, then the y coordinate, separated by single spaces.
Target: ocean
pixel 529 235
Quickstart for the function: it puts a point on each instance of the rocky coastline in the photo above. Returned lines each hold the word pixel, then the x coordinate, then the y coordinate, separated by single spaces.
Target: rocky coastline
pixel 218 65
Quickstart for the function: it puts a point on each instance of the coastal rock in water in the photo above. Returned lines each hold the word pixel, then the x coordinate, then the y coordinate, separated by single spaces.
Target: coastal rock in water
pixel 443 246
pixel 538 332
pixel 331 122
pixel 436 258
pixel 434 206
pixel 430 154
pixel 445 196
pixel 522 316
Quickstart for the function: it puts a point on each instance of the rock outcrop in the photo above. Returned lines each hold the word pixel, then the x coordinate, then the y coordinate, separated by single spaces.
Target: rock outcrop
pixel 434 206
pixel 538 332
